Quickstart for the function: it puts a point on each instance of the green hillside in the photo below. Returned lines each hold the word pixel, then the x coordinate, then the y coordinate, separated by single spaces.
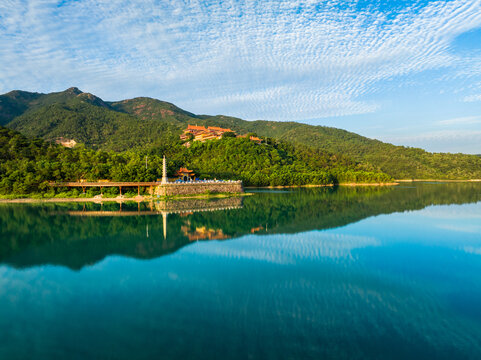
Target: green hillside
pixel 88 120
pixel 152 109
pixel 29 164
pixel 145 122
pixel 15 103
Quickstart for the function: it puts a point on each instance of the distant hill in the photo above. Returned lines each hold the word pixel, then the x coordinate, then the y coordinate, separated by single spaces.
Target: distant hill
pixel 83 117
pixel 17 102
pixel 142 122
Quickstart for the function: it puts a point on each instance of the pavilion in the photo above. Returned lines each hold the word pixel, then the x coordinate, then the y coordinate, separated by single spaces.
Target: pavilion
pixel 185 174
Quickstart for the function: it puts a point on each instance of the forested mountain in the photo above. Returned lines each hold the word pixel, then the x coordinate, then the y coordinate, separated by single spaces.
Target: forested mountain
pixel 16 102
pixel 27 165
pixel 145 122
pixel 83 117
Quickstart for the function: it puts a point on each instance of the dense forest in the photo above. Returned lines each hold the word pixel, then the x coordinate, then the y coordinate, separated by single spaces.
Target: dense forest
pixel 145 123
pixel 27 165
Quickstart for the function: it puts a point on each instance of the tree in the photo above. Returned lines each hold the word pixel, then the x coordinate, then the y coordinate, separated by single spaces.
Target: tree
pixel 228 134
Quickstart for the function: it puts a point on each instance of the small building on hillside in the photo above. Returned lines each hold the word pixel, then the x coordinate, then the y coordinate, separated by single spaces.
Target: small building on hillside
pixel 185 174
pixel 255 139
pixel 201 133
pixel 69 143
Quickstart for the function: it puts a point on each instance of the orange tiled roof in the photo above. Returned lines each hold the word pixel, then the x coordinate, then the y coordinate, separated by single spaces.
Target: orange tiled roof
pixel 195 127
pixel 201 133
pixel 215 128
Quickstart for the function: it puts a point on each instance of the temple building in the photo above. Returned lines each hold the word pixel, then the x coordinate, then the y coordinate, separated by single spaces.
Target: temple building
pixel 201 133
pixel 185 174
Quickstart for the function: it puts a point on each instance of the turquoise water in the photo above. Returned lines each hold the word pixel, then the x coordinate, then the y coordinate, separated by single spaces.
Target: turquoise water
pixel 308 273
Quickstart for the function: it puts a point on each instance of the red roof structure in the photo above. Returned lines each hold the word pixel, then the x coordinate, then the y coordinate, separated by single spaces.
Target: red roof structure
pixel 195 127
pixel 184 171
pixel 201 133
pixel 215 128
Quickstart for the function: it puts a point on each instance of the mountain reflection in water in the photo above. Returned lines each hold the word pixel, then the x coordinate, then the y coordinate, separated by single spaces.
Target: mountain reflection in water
pixel 79 235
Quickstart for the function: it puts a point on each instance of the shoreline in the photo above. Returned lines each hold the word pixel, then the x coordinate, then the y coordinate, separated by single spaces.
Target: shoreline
pixel 436 180
pixel 320 185
pixel 118 199
pixel 370 184
pixel 142 198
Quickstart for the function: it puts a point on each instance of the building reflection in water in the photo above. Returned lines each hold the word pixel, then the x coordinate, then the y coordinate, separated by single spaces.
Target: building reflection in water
pixel 184 208
pixel 190 206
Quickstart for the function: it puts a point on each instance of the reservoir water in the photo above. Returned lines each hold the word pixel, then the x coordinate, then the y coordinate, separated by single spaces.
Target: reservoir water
pixel 354 273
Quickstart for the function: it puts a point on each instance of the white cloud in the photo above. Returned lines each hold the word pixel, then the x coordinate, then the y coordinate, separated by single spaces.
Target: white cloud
pixel 289 60
pixel 467 120
pixel 472 98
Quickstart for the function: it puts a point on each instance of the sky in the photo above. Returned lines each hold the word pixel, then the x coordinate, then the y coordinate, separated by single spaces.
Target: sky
pixel 405 72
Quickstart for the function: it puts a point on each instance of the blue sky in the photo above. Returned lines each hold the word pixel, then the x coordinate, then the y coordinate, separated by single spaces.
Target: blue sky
pixel 407 72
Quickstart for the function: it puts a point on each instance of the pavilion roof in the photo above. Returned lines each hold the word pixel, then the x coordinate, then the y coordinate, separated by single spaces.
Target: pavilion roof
pixel 183 171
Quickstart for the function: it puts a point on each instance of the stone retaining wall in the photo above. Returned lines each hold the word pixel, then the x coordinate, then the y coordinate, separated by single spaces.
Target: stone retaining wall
pixel 198 188
pixel 192 205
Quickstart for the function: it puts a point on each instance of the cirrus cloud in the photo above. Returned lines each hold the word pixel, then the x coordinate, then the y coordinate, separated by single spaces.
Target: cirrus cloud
pixel 282 60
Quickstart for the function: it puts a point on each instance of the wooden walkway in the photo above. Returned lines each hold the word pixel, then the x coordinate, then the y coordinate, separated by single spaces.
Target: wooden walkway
pixel 105 184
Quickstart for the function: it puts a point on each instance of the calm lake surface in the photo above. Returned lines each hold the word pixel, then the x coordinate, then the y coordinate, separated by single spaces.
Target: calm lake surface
pixel 352 273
